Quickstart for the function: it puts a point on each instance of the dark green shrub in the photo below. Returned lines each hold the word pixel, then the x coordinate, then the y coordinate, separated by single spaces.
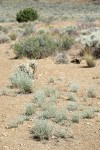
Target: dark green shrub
pixel 36 47
pixel 27 14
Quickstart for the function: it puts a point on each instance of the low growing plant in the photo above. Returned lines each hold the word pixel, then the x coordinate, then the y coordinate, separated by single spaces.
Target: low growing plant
pixel 42 130
pixel 30 110
pixel 91 92
pixel 88 114
pixel 22 80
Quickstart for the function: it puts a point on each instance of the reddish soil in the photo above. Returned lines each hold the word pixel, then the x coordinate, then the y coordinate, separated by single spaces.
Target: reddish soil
pixel 86 132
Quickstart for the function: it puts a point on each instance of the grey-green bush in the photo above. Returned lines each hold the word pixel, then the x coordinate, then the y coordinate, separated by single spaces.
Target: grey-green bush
pixel 42 130
pixel 37 47
pixel 22 79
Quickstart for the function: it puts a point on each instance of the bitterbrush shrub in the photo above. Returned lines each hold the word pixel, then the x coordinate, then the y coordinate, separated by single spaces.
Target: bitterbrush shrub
pixel 27 14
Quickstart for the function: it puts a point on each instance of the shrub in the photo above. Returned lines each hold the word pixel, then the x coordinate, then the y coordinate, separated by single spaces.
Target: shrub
pixel 30 109
pixel 19 120
pixel 74 87
pixel 60 116
pixel 3 29
pixel 27 14
pixel 4 38
pixel 65 42
pixel 61 133
pixel 72 106
pixel 36 47
pixel 42 130
pixel 92 41
pixel 40 98
pixel 50 112
pixel 22 79
pixel 75 118
pixel 91 92
pixel 62 58
pixel 49 91
pixel 89 113
pixel 13 36
pixel 72 97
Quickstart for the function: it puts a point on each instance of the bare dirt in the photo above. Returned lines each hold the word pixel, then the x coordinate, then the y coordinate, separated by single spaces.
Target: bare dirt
pixel 86 132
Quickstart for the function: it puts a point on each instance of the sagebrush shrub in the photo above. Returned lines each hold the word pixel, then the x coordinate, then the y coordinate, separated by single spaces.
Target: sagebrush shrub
pixel 42 130
pixel 4 38
pixel 65 42
pixel 27 14
pixel 74 87
pixel 89 114
pixel 22 78
pixel 40 98
pixel 36 47
pixel 92 41
pixel 91 92
pixel 30 109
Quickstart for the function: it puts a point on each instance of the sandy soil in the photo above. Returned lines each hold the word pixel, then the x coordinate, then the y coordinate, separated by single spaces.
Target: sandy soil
pixel 86 132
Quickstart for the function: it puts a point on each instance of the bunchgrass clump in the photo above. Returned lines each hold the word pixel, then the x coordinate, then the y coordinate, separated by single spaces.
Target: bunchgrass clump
pixel 39 98
pixel 60 116
pixel 74 87
pixel 30 110
pixel 13 36
pixel 72 97
pixel 61 133
pixel 4 38
pixel 50 112
pixel 72 106
pixel 91 92
pixel 49 91
pixel 19 120
pixel 42 130
pixel 75 118
pixel 88 114
pixel 90 60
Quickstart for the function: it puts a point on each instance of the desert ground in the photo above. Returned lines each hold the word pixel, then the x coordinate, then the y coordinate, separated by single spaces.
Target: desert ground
pixel 83 134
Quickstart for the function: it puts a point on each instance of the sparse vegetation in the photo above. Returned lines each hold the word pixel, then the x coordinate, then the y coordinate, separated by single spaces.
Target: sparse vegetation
pixel 72 106
pixel 30 110
pixel 61 133
pixel 48 97
pixel 88 114
pixel 13 36
pixel 75 118
pixel 72 97
pixel 4 38
pixel 22 79
pixel 42 130
pixel 39 98
pixel 74 87
pixel 91 92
